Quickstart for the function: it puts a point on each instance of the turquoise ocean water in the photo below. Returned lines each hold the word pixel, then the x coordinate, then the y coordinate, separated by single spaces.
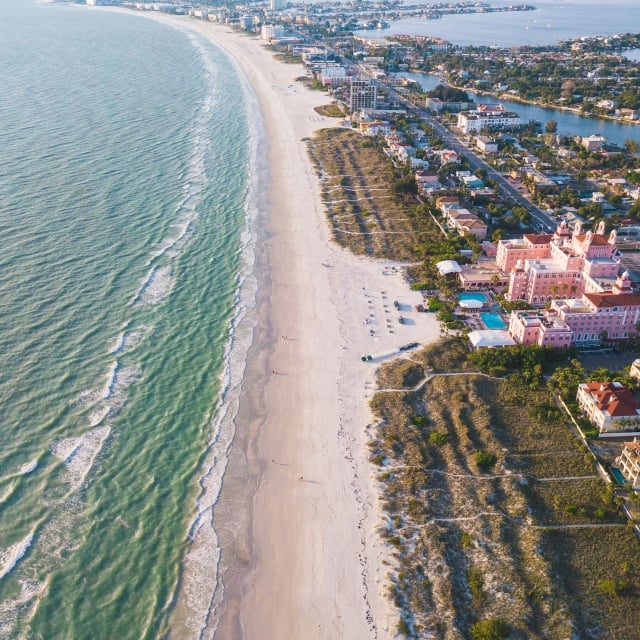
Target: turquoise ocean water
pixel 124 200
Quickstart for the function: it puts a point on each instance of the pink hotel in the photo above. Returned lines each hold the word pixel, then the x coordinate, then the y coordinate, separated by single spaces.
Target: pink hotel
pixel 576 276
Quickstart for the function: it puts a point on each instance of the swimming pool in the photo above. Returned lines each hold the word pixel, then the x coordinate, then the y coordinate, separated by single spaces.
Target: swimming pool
pixel 493 320
pixel 617 474
pixel 475 295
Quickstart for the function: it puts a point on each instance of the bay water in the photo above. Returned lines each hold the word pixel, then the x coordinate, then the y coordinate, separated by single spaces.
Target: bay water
pixel 549 22
pixel 125 208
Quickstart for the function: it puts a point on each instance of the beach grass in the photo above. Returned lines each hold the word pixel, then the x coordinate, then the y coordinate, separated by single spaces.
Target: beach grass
pixel 366 214
pixel 474 541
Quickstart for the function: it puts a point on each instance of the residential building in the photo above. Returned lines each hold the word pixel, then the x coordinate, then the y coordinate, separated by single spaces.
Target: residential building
pixel 446 156
pixel 610 406
pixel 486 144
pixel 463 221
pixel 634 371
pixel 630 114
pixel 363 94
pixel 628 462
pixel 487 117
pixel 272 31
pixel 436 106
pixel 593 142
pixel 373 128
pixel 428 181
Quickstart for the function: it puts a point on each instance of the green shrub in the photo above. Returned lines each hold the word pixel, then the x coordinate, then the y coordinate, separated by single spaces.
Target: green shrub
pixel 485 460
pixel 439 438
pixel 420 421
pixel 490 629
pixel 476 583
pixel 613 587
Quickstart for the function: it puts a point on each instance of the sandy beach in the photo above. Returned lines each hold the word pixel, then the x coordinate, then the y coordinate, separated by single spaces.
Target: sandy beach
pixel 302 558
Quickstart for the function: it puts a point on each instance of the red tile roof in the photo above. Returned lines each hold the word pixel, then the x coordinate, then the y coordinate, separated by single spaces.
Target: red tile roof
pixel 604 300
pixel 539 238
pixel 596 239
pixel 616 399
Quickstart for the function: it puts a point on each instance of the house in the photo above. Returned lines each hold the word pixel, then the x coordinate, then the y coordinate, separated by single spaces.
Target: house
pixel 610 406
pixel 634 371
pixel 446 155
pixel 486 144
pixel 373 128
pixel 628 462
pixel 630 114
pixel 593 142
pixel 427 181
pixel 472 182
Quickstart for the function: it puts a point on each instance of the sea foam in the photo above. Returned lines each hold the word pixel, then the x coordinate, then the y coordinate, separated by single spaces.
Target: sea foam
pixel 28 467
pixel 78 453
pixel 10 557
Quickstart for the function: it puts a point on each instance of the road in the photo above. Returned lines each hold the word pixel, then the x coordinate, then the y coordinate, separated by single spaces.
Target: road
pixel 538 217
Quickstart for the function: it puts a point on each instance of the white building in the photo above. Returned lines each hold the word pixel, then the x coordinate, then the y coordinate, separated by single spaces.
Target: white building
pixel 628 462
pixel 488 116
pixel 272 31
pixel 593 142
pixel 610 406
pixel 487 145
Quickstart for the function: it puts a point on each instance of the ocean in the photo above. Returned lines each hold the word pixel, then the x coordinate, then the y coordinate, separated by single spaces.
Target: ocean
pixel 126 243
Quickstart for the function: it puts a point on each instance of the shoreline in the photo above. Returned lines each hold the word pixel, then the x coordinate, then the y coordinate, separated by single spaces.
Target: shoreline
pixel 298 511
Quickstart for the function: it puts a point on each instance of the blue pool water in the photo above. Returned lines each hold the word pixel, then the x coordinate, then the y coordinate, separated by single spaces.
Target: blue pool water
pixel 493 320
pixel 475 295
pixel 617 474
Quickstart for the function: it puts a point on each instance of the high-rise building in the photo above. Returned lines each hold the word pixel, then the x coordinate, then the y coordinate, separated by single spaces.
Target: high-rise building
pixel 277 5
pixel 363 95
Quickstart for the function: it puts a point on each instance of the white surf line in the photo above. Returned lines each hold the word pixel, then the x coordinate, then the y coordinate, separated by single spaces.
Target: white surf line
pixel 171 243
pixel 11 556
pixel 111 381
pixel 121 339
pixel 143 286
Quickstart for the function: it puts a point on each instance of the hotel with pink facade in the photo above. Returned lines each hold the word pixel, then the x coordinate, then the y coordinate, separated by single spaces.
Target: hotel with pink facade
pixel 576 276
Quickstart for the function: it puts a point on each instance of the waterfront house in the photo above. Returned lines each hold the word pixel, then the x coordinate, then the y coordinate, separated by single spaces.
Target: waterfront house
pixel 593 142
pixel 487 117
pixel 610 406
pixel 628 463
